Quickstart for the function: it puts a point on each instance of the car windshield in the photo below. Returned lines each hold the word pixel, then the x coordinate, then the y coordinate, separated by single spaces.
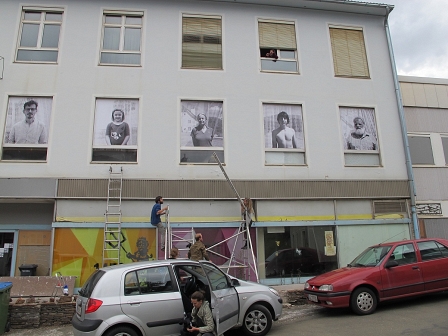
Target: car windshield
pixel 371 256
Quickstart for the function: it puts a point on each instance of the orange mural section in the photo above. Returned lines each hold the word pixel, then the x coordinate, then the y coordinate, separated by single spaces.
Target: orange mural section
pixel 79 251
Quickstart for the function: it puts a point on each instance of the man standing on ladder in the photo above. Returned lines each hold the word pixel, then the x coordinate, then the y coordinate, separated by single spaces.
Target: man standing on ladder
pixel 197 250
pixel 156 212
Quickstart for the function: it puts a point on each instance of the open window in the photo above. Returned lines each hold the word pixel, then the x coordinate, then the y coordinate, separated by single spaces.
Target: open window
pixel 278 47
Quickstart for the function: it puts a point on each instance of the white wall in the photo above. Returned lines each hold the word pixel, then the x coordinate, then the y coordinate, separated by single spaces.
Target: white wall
pixel 160 84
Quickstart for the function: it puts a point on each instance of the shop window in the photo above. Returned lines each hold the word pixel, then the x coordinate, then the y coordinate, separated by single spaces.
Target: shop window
pixel 197 144
pixel 121 39
pixel 349 52
pixel 115 130
pixel 27 129
pixel 421 150
pixel 39 35
pixel 201 42
pixel 278 47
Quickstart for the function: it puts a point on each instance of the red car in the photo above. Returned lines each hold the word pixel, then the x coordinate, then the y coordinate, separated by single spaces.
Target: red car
pixel 383 272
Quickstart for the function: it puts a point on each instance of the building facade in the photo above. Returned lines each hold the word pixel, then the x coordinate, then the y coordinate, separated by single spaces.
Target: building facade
pixel 425 102
pixel 296 98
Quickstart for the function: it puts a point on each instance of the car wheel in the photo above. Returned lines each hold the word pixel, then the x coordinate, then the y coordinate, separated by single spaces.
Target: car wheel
pixel 257 321
pixel 363 301
pixel 121 331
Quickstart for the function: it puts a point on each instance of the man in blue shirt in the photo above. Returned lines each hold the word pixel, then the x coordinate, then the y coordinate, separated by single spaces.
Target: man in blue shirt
pixel 156 212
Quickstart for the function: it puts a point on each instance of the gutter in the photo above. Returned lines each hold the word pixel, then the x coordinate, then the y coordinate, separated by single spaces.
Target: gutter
pixel 404 132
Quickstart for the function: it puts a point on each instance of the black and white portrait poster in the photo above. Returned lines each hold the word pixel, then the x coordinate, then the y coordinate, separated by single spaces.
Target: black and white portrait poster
pixel 283 126
pixel 201 124
pixel 358 127
pixel 28 121
pixel 116 122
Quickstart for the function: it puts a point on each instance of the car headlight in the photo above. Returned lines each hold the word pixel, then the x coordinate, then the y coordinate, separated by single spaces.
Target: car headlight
pixel 274 291
pixel 326 288
pixel 307 285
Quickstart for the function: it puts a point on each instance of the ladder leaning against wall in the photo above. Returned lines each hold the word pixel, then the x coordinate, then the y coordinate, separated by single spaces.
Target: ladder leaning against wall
pixel 112 218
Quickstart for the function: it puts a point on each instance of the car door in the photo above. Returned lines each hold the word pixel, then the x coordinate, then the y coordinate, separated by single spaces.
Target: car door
pixel 225 301
pixel 404 279
pixel 434 264
pixel 151 297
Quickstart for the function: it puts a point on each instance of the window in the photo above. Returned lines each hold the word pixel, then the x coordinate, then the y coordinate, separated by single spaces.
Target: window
pixel 122 34
pixel 278 48
pixel 115 130
pixel 198 143
pixel 148 281
pixel 432 250
pixel 349 52
pixel 421 150
pixel 218 280
pixel 27 128
pixel 201 42
pixel 359 136
pixel 404 254
pixel 39 36
pixel 445 148
pixel 283 134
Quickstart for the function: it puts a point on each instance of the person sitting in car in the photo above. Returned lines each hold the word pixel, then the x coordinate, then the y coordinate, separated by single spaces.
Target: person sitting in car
pixel 202 318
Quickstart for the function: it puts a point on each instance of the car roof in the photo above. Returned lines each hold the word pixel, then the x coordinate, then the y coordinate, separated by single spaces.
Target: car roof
pixel 139 264
pixel 444 241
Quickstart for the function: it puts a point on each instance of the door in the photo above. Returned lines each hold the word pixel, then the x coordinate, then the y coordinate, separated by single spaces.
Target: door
pixel 151 297
pixel 404 279
pixel 225 301
pixel 434 264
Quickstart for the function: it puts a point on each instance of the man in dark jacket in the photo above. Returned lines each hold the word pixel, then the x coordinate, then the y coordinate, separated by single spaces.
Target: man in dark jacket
pixel 197 250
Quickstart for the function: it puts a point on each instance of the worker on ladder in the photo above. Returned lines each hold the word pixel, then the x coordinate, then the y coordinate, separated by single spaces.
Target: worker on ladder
pixel 156 212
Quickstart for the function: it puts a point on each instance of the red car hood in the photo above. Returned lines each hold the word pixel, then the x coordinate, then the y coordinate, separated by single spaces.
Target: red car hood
pixel 346 274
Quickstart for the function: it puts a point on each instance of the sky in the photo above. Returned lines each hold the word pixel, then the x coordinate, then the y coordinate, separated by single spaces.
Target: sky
pixel 419 32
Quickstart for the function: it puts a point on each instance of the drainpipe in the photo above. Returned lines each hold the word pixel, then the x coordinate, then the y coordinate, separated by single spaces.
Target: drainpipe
pixel 404 131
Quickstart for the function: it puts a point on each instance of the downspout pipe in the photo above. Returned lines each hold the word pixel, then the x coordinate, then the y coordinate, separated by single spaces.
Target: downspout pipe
pixel 404 132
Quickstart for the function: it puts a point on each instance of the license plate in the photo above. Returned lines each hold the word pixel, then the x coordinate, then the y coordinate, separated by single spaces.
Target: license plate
pixel 312 297
pixel 78 309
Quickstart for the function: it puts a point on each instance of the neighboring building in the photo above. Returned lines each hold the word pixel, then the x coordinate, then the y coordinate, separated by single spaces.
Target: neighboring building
pixel 300 104
pixel 425 102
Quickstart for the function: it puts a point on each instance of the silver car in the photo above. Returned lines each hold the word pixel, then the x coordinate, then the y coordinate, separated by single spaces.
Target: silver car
pixel 151 298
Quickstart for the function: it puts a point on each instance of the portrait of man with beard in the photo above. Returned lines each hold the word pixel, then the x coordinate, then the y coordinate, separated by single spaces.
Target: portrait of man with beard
pixel 359 138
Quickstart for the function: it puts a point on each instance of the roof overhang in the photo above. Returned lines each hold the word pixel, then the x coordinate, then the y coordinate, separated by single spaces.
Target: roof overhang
pixel 347 6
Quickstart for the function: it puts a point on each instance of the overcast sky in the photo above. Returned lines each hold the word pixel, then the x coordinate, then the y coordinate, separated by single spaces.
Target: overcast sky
pixel 419 30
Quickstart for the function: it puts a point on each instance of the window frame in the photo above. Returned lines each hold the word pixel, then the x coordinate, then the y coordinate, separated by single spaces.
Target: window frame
pixel 42 22
pixel 362 52
pixel 278 49
pixel 426 136
pixel 122 25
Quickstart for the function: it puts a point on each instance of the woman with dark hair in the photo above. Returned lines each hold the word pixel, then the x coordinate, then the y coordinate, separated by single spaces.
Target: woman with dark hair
pixel 202 135
pixel 203 323
pixel 117 132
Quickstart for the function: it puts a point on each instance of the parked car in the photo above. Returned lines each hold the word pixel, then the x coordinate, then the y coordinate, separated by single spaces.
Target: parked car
pixel 383 272
pixel 151 298
pixel 298 260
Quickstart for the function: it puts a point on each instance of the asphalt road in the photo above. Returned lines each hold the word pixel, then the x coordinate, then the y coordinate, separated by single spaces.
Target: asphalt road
pixel 424 316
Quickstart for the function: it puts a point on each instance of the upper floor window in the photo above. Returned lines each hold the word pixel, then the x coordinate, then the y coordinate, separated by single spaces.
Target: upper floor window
pixel 278 48
pixel 421 150
pixel 201 42
pixel 122 34
pixel 39 36
pixel 359 136
pixel 349 52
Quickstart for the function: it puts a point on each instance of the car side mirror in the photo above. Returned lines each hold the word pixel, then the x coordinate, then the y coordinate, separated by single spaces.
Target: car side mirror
pixel 391 263
pixel 235 282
